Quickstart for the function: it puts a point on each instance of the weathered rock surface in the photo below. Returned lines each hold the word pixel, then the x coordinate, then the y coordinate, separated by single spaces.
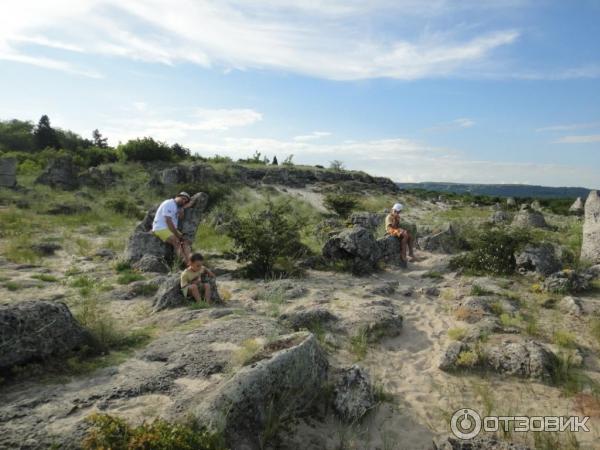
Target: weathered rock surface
pixel 390 251
pixel 100 177
pixel 356 246
pixel 353 394
pixel 60 173
pixel 571 305
pixel 8 172
pixel 538 258
pixel 287 289
pixel 377 319
pixel 368 220
pixel 445 241
pixel 511 202
pixel 307 317
pixel 152 263
pixel 143 243
pixel 478 443
pixel 566 281
pixel 169 294
pixel 577 208
pixel 590 247
pixel 385 289
pixel 37 330
pixel 46 248
pixel 529 218
pixel 284 384
pixel 473 309
pixel 499 217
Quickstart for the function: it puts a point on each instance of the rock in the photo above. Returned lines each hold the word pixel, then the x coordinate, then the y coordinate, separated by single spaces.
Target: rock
pixel 37 330
pixel 377 319
pixel 390 251
pixel 286 383
pixel 68 209
pixel 385 289
pixel 499 217
pixel 445 241
pixel 590 247
pixel 356 246
pixel 566 281
pixel 8 172
pixel 370 221
pixel 536 205
pixel 100 177
pixel 511 202
pixel 529 218
pixel 593 272
pixel 151 263
pixel 169 294
pixel 538 258
pixel 143 243
pixel 473 309
pixel 105 253
pixel 577 208
pixel 527 359
pixel 353 394
pixel 46 248
pixel 571 305
pixel 307 318
pixel 61 172
pixel 478 443
pixel 287 289
pixel 450 356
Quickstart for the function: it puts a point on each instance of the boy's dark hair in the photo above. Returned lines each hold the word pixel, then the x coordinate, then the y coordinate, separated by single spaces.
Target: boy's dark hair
pixel 196 257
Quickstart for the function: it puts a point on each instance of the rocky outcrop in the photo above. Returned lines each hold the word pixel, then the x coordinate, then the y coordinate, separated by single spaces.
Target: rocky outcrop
pixel 590 247
pixel 8 172
pixel 577 208
pixel 152 263
pixel 60 173
pixel 538 258
pixel 566 281
pixel 529 218
pixel 499 217
pixel 445 241
pixel 100 177
pixel 571 305
pixel 478 443
pixel 307 318
pixel 353 394
pixel 390 251
pixel 356 247
pixel 511 202
pixel 38 330
pixel 370 221
pixel 142 243
pixel 377 319
pixel 284 382
pixel 169 294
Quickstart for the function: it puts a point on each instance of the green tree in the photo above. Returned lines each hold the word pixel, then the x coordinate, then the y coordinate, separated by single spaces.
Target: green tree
pixel 44 135
pixel 16 135
pixel 275 162
pixel 180 152
pixel 99 140
pixel 145 149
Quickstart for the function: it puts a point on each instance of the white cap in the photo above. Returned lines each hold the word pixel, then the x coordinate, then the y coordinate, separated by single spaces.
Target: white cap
pixel 397 207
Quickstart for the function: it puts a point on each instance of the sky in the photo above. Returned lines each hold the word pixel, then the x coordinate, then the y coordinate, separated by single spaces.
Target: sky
pixel 481 91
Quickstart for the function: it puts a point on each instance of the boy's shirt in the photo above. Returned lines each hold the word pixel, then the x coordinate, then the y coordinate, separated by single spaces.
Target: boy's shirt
pixel 188 275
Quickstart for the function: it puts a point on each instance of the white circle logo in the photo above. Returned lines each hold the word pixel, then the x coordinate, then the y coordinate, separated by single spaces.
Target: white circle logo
pixel 465 423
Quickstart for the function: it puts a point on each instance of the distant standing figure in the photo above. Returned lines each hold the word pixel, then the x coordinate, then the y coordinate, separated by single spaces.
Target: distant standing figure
pixel 166 221
pixel 392 227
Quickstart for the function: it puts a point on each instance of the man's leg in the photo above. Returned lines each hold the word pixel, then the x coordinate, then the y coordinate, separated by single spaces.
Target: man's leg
pixel 207 293
pixel 403 246
pixel 177 245
pixel 410 241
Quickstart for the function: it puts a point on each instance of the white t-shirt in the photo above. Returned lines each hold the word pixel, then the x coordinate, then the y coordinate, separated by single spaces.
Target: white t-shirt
pixel 168 208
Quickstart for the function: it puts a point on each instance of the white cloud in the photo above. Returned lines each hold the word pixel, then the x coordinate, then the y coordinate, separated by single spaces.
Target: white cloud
pixel 567 127
pixel 462 122
pixel 581 139
pixel 312 136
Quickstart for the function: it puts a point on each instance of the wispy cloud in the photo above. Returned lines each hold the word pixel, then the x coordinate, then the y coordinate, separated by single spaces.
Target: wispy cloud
pixel 455 124
pixel 581 139
pixel 568 127
pixel 312 136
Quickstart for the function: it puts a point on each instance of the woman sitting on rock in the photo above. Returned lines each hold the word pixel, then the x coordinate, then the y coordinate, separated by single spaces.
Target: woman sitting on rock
pixel 392 227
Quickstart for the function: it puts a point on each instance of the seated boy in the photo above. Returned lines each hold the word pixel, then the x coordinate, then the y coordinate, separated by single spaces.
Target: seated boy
pixel 194 279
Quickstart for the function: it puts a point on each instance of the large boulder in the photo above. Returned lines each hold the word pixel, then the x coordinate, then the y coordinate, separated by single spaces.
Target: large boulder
pixel 444 241
pixel 37 330
pixel 590 247
pixel 368 220
pixel 100 177
pixel 577 208
pixel 355 246
pixel 390 250
pixel 284 381
pixel 353 394
pixel 61 172
pixel 529 218
pixel 499 217
pixel 142 243
pixel 169 294
pixel 538 258
pixel 511 202
pixel 307 318
pixel 8 172
pixel 566 281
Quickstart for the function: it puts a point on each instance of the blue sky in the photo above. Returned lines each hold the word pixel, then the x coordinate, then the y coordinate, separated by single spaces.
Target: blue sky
pixel 496 91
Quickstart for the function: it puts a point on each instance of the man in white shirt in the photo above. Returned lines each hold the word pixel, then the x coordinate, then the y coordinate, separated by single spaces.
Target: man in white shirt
pixel 165 224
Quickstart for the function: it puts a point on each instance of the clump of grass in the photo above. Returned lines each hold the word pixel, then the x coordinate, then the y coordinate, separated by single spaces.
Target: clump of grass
pixel 109 432
pixel 359 344
pixel 509 320
pixel 209 238
pixel 127 277
pixel 122 266
pixel 497 308
pixel 551 441
pixel 563 339
pixel 467 359
pixel 468 314
pixel 594 327
pixel 274 298
pixel 567 375
pixel 45 277
pixel 433 274
pixel 12 285
pixel 381 394
pixel 225 294
pixel 248 349
pixel 457 334
pixel 477 291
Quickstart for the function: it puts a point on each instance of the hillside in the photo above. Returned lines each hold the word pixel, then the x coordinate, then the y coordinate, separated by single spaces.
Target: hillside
pixel 500 190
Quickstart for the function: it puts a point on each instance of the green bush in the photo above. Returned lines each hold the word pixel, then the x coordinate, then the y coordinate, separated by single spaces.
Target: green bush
pixel 340 204
pixel 124 206
pixel 493 252
pixel 145 149
pixel 266 237
pixel 108 432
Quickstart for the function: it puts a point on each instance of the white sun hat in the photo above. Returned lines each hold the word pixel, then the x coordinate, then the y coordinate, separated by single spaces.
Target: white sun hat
pixel 398 207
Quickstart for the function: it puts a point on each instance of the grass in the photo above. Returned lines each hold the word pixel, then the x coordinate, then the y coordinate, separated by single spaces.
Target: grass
pixel 274 298
pixel 359 344
pixel 248 349
pixel 477 291
pixel 209 239
pixel 564 339
pixel 569 377
pixel 457 334
pixel 433 274
pixel 129 277
pixel 594 329
pixel 45 277
pixel 467 359
pixel 12 285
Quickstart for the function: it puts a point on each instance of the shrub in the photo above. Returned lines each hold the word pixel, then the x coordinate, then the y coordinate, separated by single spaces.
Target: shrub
pixel 124 206
pixel 493 252
pixel 108 432
pixel 266 237
pixel 340 204
pixel 145 149
pixel 467 358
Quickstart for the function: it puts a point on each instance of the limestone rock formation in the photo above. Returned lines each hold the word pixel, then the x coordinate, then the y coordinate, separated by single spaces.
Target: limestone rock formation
pixel 61 172
pixel 566 281
pixel 356 246
pixel 370 221
pixel 445 241
pixel 306 318
pixel 8 172
pixel 169 294
pixel 511 202
pixel 353 394
pixel 529 218
pixel 37 330
pixel 538 258
pixel 390 250
pixel 571 305
pixel 577 208
pixel 499 217
pixel 590 247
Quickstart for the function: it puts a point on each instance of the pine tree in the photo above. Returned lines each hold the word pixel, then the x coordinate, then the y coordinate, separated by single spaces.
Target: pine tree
pixel 99 140
pixel 45 136
pixel 275 162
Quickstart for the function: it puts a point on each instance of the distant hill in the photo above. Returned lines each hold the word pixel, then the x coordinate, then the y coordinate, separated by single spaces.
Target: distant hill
pixel 500 190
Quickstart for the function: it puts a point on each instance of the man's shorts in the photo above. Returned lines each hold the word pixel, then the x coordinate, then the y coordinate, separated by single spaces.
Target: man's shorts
pixel 163 235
